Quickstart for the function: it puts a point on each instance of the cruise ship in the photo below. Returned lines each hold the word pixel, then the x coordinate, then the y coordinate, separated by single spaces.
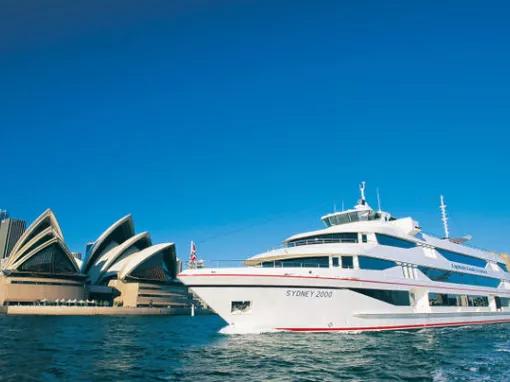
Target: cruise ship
pixel 365 271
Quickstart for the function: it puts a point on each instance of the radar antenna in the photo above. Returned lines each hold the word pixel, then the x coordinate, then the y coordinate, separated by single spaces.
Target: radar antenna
pixel 444 218
pixel 363 201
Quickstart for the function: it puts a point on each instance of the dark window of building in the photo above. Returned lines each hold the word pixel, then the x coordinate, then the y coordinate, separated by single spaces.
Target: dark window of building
pixel 393 241
pixel 152 295
pixel 39 282
pixel 39 242
pixel 155 268
pixel 446 276
pixel 344 237
pixel 153 305
pixel 460 258
pixel 395 297
pixel 61 263
pixel 366 262
pixel 51 259
pixel 503 267
pixel 347 262
pixel 302 262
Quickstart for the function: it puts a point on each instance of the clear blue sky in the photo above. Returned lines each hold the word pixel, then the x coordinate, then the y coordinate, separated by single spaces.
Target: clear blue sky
pixel 238 123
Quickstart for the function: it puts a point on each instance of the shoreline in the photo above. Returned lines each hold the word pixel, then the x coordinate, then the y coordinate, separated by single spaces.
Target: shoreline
pixel 15 310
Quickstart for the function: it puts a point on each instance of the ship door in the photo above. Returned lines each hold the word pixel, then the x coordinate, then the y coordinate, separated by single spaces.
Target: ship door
pixel 498 302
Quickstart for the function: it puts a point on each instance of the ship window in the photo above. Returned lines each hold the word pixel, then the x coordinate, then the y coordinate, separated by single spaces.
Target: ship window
pixel 460 258
pixel 478 300
pixel 366 262
pixel 344 218
pixel 395 297
pixel 393 241
pixel 364 238
pixel 505 302
pixel 503 267
pixel 446 276
pixel 240 307
pixel 347 262
pixel 441 299
pixel 344 237
pixel 302 262
pixel 335 261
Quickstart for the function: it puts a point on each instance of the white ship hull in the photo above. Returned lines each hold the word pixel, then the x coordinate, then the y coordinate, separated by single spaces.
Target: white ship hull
pixel 365 271
pixel 313 303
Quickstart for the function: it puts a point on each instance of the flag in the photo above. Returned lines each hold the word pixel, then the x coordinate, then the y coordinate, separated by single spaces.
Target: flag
pixel 193 252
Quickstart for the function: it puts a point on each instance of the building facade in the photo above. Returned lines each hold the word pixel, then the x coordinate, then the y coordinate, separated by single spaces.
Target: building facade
pixel 10 231
pixel 128 270
pixel 40 267
pixel 120 268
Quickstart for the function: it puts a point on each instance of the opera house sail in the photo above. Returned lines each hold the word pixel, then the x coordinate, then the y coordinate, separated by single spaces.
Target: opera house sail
pixel 41 267
pixel 127 270
pixel 121 268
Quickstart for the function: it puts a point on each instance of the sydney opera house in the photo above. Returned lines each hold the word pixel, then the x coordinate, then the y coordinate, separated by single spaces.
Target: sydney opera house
pixel 120 268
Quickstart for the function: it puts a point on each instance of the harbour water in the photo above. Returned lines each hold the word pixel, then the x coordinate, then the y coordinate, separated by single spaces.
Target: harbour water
pixel 191 349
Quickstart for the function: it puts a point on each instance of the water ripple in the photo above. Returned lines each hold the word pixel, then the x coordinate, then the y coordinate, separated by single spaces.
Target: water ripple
pixel 191 349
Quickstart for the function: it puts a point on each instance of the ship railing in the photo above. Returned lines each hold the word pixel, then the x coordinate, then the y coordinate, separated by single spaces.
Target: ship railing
pixel 296 243
pixel 266 264
pixel 216 264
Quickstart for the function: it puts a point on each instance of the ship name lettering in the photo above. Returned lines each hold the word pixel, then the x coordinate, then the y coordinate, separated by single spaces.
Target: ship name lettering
pixel 308 293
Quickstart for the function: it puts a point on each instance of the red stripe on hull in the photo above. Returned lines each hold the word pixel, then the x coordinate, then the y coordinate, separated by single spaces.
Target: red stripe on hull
pixel 396 327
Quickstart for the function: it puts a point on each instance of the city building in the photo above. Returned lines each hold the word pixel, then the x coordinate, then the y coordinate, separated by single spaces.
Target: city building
pixel 3 215
pixel 10 231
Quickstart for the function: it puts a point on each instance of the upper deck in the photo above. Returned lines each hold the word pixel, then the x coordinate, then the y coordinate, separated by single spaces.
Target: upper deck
pixel 361 229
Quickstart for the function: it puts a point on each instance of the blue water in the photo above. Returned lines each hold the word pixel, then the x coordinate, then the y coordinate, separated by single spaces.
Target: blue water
pixel 190 349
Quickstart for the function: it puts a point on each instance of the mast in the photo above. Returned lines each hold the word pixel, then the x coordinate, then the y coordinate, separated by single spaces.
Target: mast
pixel 444 217
pixel 378 200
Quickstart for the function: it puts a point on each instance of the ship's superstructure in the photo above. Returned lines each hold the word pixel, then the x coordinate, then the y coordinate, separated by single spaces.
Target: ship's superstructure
pixel 366 270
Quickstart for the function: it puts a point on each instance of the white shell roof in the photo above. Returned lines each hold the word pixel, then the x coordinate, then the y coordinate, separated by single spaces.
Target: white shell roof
pixel 138 258
pixel 91 258
pixel 108 263
pixel 46 218
pixel 24 248
pixel 34 252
